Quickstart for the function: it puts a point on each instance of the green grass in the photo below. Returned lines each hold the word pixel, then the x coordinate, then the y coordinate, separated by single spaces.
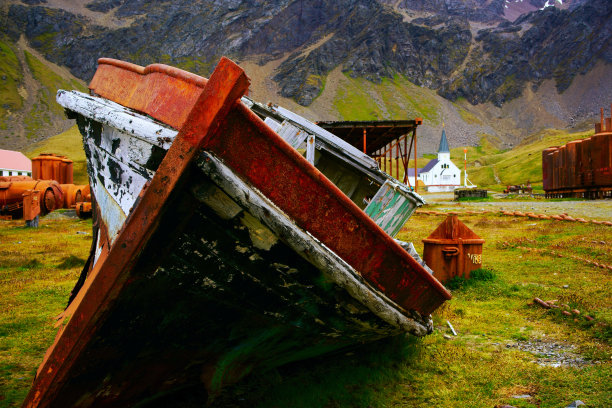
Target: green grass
pixel 398 99
pixel 69 144
pixel 37 273
pixel 10 78
pixel 481 367
pixel 50 82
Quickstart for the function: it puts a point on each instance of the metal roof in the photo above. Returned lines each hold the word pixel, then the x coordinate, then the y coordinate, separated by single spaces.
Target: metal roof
pixel 443 148
pixel 11 160
pixel 379 133
pixel 429 166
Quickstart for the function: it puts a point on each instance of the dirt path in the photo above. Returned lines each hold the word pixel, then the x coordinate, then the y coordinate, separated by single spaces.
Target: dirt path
pixel 28 90
pixel 587 209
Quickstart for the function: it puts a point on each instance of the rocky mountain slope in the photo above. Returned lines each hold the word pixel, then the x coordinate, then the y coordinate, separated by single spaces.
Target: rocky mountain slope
pixel 460 61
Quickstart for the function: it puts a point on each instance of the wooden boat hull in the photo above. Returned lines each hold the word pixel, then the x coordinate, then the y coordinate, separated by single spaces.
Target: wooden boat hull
pixel 218 248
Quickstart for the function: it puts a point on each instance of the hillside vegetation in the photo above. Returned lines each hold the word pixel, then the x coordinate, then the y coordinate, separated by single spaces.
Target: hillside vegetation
pixel 10 77
pixel 28 85
pixel 397 98
pixel 489 167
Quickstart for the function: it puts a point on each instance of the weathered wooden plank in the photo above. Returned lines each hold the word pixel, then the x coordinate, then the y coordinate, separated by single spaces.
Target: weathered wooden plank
pixel 274 125
pixel 310 149
pixel 309 247
pixel 112 114
pixel 327 137
pixel 292 135
pixel 391 207
pixel 120 181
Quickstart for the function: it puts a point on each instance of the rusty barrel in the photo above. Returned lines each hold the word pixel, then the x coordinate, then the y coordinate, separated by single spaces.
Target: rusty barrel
pixel 453 250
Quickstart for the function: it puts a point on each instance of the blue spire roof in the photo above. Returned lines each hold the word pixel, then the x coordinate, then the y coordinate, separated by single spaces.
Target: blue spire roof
pixel 443 143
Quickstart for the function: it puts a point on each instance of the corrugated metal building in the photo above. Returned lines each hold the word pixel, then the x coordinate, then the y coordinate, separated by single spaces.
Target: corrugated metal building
pixel 14 164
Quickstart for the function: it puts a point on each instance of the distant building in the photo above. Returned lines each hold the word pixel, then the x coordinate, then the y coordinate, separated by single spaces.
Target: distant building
pixel 439 174
pixel 14 164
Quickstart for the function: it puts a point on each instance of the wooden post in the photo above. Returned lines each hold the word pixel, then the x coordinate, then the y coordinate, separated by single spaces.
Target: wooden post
pixel 416 183
pixel 397 162
pixel 405 159
pixel 364 141
pixel 385 161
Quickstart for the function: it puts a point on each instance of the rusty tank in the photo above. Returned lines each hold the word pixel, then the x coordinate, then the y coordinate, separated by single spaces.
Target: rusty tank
pixel 580 168
pixel 51 166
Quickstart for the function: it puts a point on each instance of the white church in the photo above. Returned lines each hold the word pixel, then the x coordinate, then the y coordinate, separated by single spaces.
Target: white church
pixel 439 174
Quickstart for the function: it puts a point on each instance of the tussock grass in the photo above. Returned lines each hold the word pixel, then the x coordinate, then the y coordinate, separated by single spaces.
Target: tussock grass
pixel 483 366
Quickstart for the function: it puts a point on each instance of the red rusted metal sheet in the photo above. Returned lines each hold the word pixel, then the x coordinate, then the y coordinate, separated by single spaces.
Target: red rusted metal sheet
pixel 453 250
pixel 166 93
pixel 31 207
pixel 547 168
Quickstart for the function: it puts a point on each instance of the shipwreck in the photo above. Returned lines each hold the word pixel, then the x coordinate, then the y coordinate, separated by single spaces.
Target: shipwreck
pixel 218 246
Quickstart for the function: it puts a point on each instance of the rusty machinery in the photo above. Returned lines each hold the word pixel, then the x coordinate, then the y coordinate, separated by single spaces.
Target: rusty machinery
pixel 49 196
pixel 50 166
pixel 519 189
pixel 580 168
pixel 49 189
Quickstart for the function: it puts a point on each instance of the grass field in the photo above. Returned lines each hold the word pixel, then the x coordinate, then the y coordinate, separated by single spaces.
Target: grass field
pixel 505 345
pixel 38 268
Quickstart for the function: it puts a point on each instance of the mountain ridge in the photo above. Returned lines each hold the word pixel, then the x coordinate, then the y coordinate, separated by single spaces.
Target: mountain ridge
pixel 463 50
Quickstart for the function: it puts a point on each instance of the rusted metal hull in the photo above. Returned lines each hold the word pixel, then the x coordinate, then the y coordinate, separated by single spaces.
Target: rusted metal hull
pixel 218 248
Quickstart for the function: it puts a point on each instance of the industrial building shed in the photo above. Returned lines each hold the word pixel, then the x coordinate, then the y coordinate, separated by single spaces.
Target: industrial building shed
pixel 14 164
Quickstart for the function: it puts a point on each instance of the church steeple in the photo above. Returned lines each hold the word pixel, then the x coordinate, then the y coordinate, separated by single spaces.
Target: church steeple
pixel 443 142
pixel 443 149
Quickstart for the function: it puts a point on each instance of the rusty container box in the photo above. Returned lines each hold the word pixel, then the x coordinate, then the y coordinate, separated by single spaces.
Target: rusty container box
pixel 586 163
pixel 561 167
pixel 547 167
pixel 453 250
pixel 602 159
pixel 570 164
